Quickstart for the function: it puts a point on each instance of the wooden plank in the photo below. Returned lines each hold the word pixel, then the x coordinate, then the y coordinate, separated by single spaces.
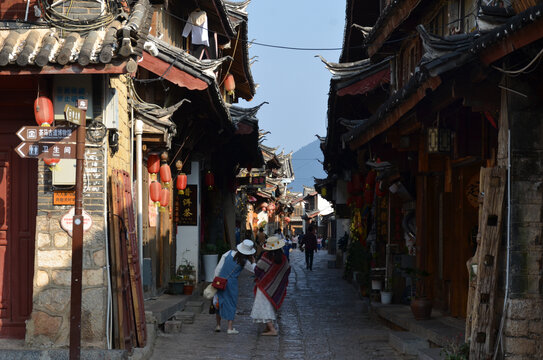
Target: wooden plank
pixel 133 262
pixel 483 315
pixel 115 266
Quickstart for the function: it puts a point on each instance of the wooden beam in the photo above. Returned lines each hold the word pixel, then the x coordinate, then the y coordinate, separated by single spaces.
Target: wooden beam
pixel 520 38
pixel 396 114
pixel 74 69
pixel 171 73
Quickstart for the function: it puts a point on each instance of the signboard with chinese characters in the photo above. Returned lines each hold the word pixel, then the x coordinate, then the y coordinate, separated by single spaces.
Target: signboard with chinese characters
pixel 187 206
pixel 44 133
pixel 41 150
pixel 63 197
pixel 67 89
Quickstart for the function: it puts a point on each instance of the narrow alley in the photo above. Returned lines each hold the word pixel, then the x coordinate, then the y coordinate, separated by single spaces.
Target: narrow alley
pixel 321 318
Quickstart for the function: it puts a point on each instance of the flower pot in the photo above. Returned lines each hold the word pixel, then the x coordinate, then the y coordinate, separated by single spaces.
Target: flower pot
pixel 386 297
pixel 210 263
pixel 421 308
pixel 176 287
pixel 188 289
pixel 376 284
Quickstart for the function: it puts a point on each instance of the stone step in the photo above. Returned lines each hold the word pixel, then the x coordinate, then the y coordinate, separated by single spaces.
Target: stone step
pixel 431 354
pixel 187 317
pixel 406 342
pixel 195 306
pixel 172 326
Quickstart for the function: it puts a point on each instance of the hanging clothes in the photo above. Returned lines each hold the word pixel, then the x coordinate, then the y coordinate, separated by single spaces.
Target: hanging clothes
pixel 197 24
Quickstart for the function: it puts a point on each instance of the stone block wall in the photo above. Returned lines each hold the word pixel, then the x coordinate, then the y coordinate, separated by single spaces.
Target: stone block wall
pixel 49 324
pixel 523 328
pixel 121 159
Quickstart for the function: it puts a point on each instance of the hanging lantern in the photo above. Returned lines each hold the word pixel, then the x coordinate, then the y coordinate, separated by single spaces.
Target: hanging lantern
pixel 229 84
pixel 51 162
pixel 43 111
pixel 359 201
pixel 210 180
pixel 181 183
pixel 323 192
pixel 154 191
pixel 356 182
pixel 350 187
pixel 153 165
pixel 165 174
pixel 164 197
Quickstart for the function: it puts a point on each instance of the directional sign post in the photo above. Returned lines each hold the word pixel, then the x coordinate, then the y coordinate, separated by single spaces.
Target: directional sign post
pixel 77 237
pixel 42 150
pixel 47 134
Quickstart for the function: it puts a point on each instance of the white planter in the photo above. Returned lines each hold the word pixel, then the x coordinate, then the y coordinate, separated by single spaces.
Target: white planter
pixel 386 297
pixel 376 284
pixel 210 263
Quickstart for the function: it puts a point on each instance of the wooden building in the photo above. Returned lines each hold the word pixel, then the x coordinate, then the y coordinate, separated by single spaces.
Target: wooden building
pixel 438 100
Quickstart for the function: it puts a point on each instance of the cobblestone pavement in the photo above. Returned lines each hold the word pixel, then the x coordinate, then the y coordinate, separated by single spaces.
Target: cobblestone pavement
pixel 321 318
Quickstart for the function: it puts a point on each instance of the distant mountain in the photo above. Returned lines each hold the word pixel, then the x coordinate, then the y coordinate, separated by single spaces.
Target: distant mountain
pixel 306 166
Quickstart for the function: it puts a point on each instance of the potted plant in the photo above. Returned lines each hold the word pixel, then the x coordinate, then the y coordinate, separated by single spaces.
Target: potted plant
pixel 176 285
pixel 386 293
pixel 358 262
pixel 187 272
pixel 421 305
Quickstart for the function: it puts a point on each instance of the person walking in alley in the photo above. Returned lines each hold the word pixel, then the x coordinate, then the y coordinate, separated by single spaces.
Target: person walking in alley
pixel 229 267
pixel 271 277
pixel 260 240
pixel 309 244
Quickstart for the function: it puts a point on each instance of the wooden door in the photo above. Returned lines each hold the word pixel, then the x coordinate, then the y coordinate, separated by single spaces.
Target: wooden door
pixel 460 229
pixel 18 186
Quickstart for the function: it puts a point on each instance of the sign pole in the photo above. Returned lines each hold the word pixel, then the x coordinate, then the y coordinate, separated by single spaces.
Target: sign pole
pixel 77 238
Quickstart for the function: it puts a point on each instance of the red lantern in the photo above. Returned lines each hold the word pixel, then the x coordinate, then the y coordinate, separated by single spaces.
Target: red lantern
pixel 154 191
pixel 210 180
pixel 153 164
pixel 359 201
pixel 43 111
pixel 165 174
pixel 181 183
pixel 356 182
pixel 229 84
pixel 164 197
pixel 51 162
pixel 350 187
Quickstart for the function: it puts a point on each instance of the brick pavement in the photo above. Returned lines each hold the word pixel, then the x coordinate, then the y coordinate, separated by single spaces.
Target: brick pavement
pixel 321 318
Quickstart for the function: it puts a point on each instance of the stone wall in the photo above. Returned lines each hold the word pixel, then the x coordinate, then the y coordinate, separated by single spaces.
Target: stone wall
pixel 523 328
pixel 49 324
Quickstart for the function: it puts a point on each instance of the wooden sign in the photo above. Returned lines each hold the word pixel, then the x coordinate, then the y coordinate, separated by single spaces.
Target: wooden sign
pixel 44 133
pixel 72 114
pixel 41 150
pixel 63 197
pixel 187 207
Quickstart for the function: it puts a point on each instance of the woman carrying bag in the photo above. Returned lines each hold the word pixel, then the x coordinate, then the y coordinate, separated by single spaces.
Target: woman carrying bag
pixel 271 277
pixel 229 268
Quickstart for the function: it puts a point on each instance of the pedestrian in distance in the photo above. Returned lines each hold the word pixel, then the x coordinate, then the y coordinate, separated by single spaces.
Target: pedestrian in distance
pixel 260 241
pixel 309 244
pixel 271 281
pixel 229 267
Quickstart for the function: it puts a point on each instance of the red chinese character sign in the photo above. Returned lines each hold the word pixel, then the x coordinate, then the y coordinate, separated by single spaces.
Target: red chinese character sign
pixel 187 207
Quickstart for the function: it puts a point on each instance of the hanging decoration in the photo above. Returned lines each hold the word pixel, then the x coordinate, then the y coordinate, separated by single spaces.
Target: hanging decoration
pixel 323 192
pixel 181 183
pixel 165 174
pixel 153 165
pixel 230 84
pixel 209 180
pixel 154 192
pixel 43 111
pixel 164 198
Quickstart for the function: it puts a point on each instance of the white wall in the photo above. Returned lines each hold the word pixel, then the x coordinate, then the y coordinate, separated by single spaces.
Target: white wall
pixel 188 237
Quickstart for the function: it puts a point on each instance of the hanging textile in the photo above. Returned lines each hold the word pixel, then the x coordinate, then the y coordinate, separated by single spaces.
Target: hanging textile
pixel 197 25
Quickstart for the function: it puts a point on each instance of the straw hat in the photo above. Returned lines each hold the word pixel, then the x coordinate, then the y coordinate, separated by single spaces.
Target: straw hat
pixel 273 243
pixel 246 247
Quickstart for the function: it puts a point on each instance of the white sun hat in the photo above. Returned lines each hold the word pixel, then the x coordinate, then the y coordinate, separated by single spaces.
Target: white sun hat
pixel 246 247
pixel 273 243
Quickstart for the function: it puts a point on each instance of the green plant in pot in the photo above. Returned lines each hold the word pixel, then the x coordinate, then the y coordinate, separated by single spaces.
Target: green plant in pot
pixel 421 304
pixel 358 261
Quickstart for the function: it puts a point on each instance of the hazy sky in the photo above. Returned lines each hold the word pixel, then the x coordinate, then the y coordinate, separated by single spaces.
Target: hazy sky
pixel 295 83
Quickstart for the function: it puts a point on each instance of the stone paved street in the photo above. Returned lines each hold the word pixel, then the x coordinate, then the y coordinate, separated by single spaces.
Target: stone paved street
pixel 321 318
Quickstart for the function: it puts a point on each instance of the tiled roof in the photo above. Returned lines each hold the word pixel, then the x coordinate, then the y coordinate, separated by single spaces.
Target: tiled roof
pixel 42 46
